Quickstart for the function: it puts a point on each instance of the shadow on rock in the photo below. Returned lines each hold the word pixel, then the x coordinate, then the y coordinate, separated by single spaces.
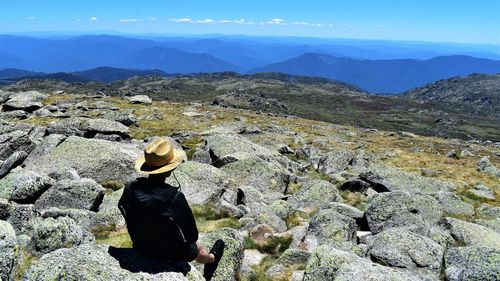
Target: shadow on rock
pixel 135 262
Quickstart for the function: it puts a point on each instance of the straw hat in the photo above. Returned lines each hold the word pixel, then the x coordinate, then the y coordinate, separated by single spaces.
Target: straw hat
pixel 160 156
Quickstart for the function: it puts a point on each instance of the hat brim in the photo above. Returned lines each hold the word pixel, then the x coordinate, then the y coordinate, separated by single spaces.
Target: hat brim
pixel 142 167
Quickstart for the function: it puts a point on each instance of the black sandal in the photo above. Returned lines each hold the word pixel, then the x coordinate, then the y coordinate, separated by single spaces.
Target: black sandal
pixel 217 250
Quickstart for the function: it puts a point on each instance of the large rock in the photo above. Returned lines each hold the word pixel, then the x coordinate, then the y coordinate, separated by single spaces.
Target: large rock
pixel 472 263
pixel 24 186
pixel 392 179
pixel 328 263
pixel 402 248
pixel 109 214
pixel 328 226
pixel 102 263
pixel 44 147
pixel 335 161
pixel 472 234
pixel 201 183
pixel 400 209
pixel 223 146
pixel 140 99
pixel 452 205
pixel 8 250
pixel 27 101
pixel 88 127
pixel 18 215
pixel 231 261
pixel 97 159
pixel 316 194
pixel 50 234
pixel 72 194
pixel 14 160
pixel 15 141
pixel 264 175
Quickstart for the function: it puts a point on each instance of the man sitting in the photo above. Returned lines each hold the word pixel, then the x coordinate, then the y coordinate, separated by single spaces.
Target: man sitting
pixel 159 219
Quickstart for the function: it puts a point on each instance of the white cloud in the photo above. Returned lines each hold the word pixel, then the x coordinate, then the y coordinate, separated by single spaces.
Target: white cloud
pixel 128 20
pixel 276 21
pixel 206 21
pixel 239 21
pixel 301 23
pixel 30 18
pixel 225 21
pixel 93 19
pixel 181 20
pixel 152 18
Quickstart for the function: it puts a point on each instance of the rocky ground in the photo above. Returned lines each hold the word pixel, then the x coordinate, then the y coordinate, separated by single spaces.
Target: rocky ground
pixel 294 199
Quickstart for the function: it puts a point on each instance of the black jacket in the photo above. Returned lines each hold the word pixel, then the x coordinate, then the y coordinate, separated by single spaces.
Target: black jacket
pixel 159 220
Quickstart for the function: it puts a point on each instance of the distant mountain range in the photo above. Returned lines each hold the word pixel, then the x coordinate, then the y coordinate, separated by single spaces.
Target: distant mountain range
pixel 375 66
pixel 477 94
pixel 383 76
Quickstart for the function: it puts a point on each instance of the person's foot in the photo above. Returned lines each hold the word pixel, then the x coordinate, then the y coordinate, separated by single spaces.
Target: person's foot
pixel 217 250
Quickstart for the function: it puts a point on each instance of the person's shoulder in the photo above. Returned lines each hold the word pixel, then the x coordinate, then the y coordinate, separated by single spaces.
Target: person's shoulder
pixel 135 183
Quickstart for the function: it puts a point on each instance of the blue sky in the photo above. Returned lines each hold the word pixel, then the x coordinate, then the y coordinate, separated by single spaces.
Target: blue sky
pixel 461 21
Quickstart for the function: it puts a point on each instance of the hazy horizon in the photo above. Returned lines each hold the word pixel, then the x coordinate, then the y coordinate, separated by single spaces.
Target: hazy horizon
pixel 441 21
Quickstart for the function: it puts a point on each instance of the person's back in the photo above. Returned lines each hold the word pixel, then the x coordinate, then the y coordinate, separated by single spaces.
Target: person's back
pixel 159 219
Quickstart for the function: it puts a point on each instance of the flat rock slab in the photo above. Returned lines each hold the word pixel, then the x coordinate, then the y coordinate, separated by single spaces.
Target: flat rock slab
pixel 100 262
pixel 96 159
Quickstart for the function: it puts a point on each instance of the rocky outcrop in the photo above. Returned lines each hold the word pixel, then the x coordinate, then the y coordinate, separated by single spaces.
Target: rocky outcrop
pixel 88 127
pixel 316 194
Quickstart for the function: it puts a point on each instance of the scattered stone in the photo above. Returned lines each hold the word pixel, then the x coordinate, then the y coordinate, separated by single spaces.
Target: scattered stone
pixel 27 101
pixel 261 174
pixel 335 161
pixel 346 210
pixel 484 165
pixel 8 251
pixel 481 191
pixel 328 263
pixel 83 194
pixel 404 249
pixel 97 159
pixel 452 154
pixel 88 127
pixel 472 234
pixel 201 183
pixel 328 226
pixel 356 185
pixel 400 209
pixel 487 211
pixel 88 262
pixel 44 147
pixel 407 134
pixel 316 194
pixel 452 205
pixel 466 153
pixel 232 259
pixel 50 234
pixel 24 186
pixel 140 99
pixel 11 162
pixel 472 263
pixel 253 257
pixel 193 114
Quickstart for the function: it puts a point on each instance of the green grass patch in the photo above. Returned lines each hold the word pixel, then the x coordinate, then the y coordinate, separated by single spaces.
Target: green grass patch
pixel 118 239
pixel 354 199
pixel 26 262
pixel 209 220
pixel 103 231
pixel 296 218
